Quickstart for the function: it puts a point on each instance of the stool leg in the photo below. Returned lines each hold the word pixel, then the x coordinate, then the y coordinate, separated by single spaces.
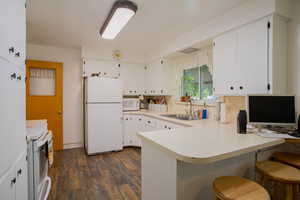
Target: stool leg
pixel 289 192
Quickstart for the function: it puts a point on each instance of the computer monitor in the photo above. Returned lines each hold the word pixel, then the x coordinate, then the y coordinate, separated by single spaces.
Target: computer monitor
pixel 271 110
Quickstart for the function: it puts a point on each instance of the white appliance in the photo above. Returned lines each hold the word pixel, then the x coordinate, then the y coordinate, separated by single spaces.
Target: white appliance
pixel 39 139
pixel 103 115
pixel 131 104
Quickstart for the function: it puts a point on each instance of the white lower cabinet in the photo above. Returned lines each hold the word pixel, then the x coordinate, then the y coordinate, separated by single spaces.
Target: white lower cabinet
pixel 134 124
pixel 12 119
pixel 13 184
pixel 7 185
pixel 22 179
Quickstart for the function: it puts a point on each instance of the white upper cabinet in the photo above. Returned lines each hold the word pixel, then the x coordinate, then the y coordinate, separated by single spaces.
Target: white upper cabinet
pixel 244 61
pixel 132 76
pixel 157 78
pixel 101 68
pixel 13 31
pixel 225 66
pixel 252 57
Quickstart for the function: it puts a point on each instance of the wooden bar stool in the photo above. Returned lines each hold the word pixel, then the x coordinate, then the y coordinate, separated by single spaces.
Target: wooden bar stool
pixel 238 188
pixel 292 159
pixel 281 173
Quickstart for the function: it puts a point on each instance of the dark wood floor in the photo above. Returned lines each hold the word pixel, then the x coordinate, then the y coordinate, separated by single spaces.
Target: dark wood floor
pixel 109 176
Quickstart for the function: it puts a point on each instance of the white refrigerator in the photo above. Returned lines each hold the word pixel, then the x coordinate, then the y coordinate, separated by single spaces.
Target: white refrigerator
pixel 103 115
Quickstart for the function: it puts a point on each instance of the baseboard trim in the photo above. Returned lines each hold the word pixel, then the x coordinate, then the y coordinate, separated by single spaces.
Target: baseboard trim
pixel 73 145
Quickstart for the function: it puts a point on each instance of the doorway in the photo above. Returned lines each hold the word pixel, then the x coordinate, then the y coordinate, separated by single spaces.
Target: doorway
pixel 44 97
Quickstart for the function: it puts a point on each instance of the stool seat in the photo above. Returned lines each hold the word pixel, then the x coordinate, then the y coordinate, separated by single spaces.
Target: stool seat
pixel 238 188
pixel 292 159
pixel 279 172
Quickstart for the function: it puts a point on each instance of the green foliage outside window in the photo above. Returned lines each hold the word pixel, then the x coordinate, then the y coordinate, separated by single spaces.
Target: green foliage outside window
pixel 197 83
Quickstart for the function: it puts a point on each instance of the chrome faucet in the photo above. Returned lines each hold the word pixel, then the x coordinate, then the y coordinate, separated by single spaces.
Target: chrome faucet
pixel 190 111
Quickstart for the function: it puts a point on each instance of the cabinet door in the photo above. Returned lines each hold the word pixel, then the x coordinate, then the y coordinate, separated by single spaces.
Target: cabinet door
pixel 22 182
pixel 12 120
pixel 12 33
pixel 19 32
pixel 8 185
pixel 128 122
pixel 252 58
pixel 149 80
pixel 132 76
pixel 140 128
pixel 103 68
pixel 224 60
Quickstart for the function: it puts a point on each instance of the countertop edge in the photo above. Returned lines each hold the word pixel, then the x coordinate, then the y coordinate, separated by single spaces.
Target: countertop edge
pixel 212 159
pixel 157 116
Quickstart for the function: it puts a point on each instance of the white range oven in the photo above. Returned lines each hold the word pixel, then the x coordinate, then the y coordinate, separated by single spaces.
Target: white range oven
pixel 131 104
pixel 39 140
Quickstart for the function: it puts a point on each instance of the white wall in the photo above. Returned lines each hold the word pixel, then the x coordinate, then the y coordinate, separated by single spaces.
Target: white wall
pixel 72 88
pixel 294 50
pixel 107 54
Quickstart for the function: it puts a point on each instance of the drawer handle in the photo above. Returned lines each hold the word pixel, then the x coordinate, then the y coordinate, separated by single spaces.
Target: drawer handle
pixel 13 181
pixel 17 54
pixel 11 50
pixel 19 171
pixel 13 76
pixel 19 77
pixel 149 122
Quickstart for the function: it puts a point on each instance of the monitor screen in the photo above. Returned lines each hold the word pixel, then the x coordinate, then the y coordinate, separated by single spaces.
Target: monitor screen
pixel 271 109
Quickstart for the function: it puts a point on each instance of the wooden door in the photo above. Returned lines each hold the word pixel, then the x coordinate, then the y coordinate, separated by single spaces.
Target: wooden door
pixel 44 96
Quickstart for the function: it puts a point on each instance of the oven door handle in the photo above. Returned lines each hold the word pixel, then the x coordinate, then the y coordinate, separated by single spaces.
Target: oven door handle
pixel 48 137
pixel 47 179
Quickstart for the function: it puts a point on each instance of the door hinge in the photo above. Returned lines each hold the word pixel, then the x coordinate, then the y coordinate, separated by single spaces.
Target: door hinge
pixel 269 86
pixel 269 25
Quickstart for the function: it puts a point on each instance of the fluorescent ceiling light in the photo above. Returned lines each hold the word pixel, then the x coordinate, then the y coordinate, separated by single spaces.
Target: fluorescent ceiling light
pixel 121 12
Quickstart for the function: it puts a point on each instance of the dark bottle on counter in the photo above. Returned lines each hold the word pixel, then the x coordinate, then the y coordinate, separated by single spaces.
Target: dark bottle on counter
pixel 242 122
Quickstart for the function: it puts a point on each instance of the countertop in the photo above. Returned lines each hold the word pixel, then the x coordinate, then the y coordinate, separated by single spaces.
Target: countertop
pixel 157 115
pixel 205 141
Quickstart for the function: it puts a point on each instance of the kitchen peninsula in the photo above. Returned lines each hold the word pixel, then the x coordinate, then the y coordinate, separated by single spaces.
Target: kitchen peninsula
pixel 181 164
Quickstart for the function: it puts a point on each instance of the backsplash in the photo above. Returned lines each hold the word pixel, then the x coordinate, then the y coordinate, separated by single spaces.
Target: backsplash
pixel 182 107
pixel 233 105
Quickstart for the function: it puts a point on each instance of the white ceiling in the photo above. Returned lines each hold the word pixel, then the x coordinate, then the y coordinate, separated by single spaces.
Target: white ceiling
pixel 76 23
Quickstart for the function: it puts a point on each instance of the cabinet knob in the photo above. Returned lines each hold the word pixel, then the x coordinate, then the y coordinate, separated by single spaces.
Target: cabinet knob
pixel 140 119
pixel 13 181
pixel 149 122
pixel 17 54
pixel 166 127
pixel 11 50
pixel 241 87
pixel 231 88
pixel 19 172
pixel 19 77
pixel 13 76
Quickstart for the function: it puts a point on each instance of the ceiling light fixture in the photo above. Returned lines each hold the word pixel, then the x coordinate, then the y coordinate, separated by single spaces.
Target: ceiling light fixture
pixel 121 12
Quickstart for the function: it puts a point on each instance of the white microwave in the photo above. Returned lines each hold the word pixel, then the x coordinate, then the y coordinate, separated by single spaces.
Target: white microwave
pixel 131 104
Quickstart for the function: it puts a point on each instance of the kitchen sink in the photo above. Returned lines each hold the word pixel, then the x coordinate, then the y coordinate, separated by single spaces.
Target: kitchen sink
pixel 178 116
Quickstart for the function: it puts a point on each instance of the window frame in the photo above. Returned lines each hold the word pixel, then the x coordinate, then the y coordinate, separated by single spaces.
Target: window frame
pixel 198 101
